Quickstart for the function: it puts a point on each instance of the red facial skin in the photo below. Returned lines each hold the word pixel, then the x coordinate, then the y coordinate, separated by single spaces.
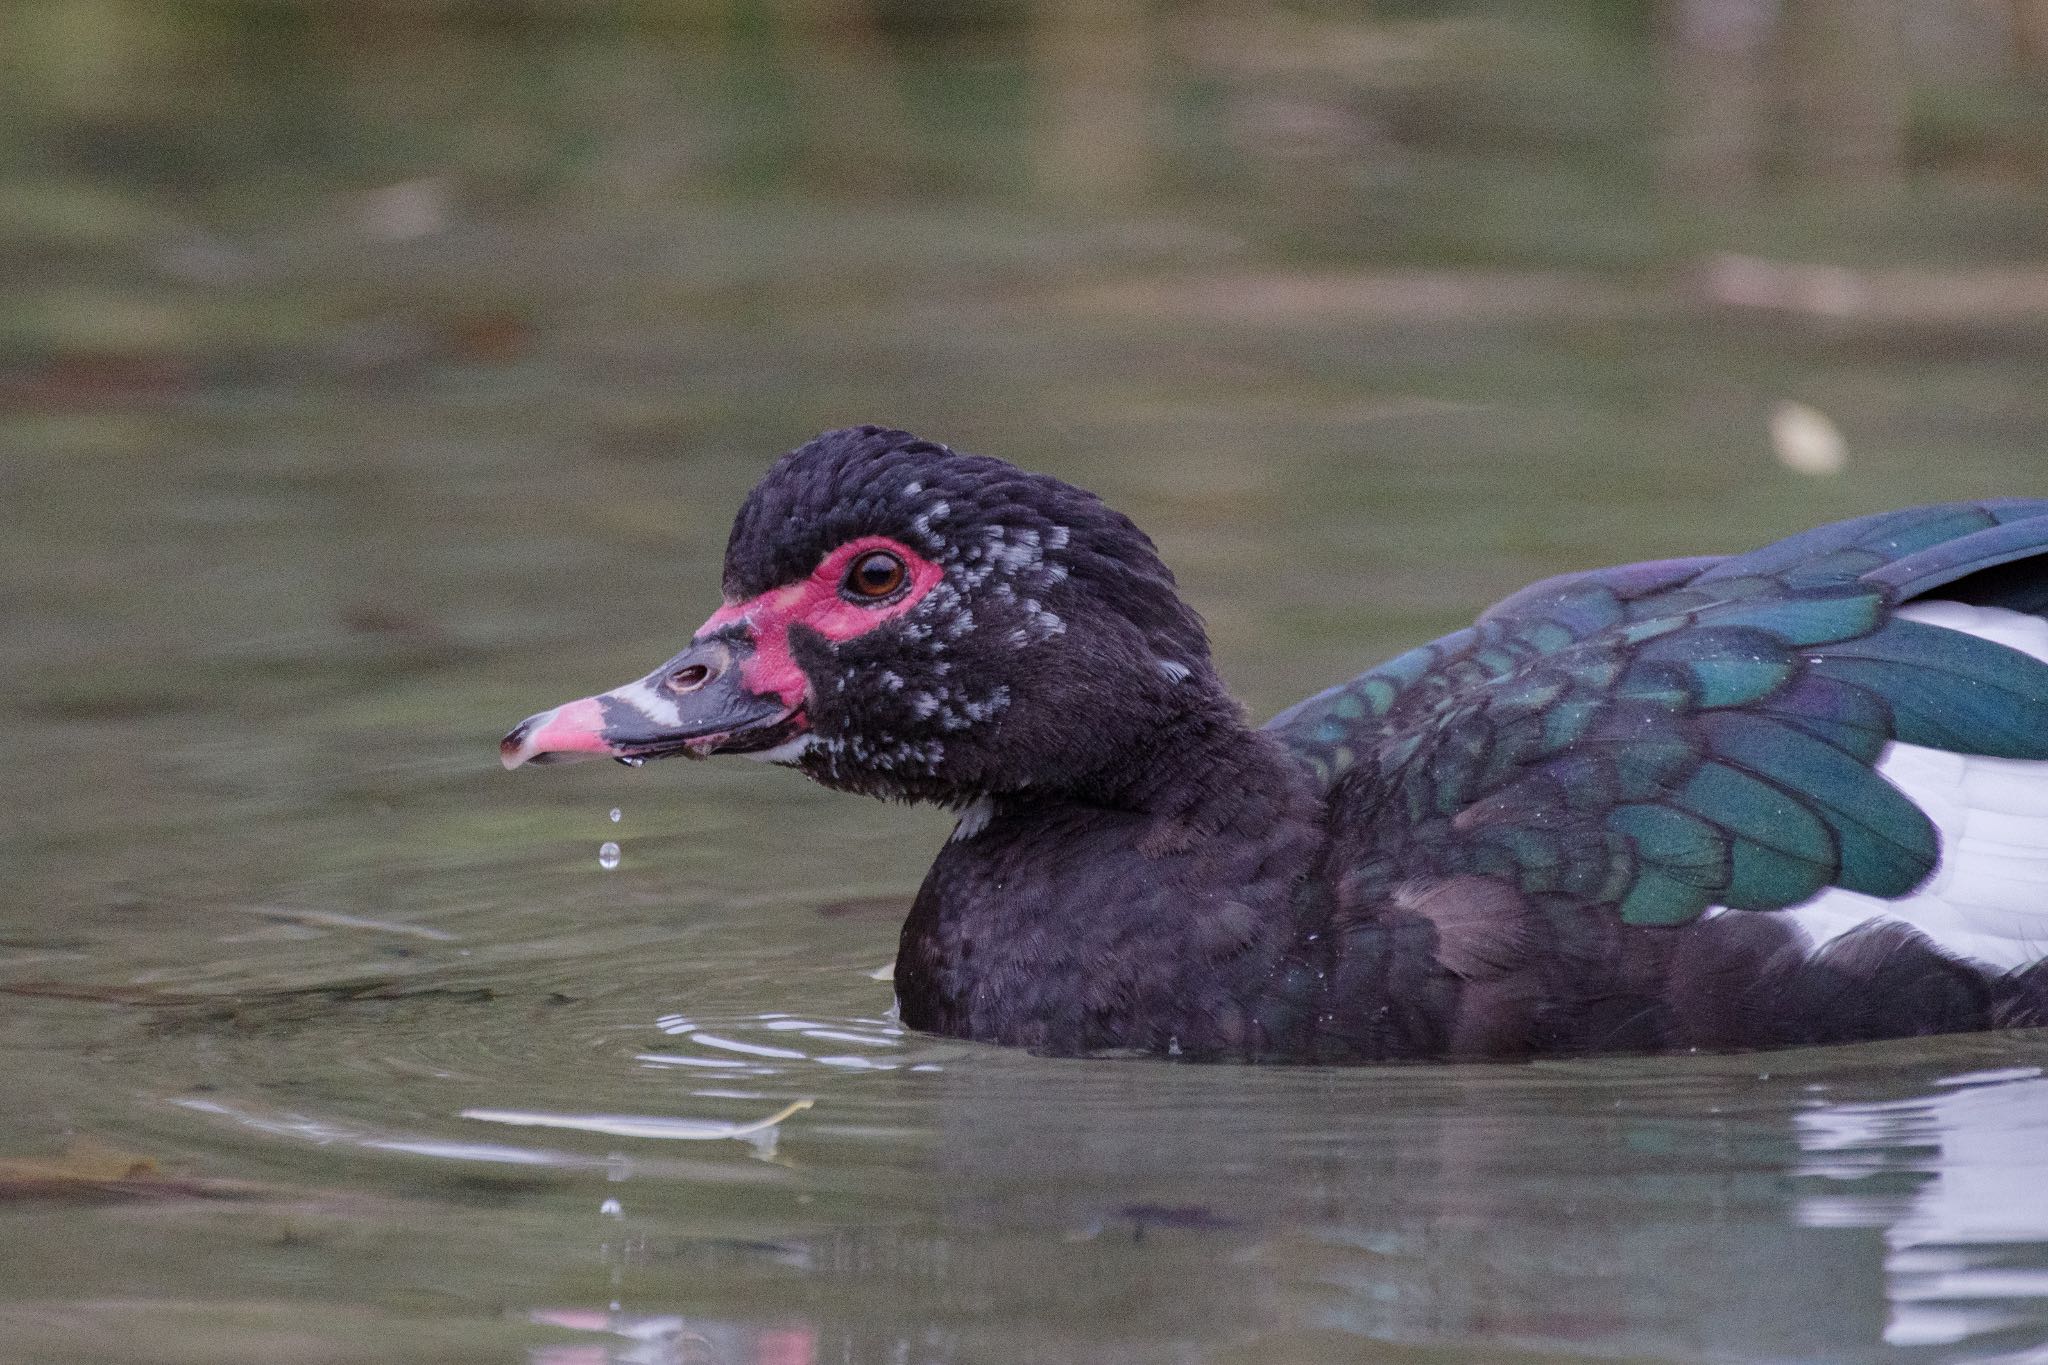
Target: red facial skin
pixel 577 729
pixel 816 602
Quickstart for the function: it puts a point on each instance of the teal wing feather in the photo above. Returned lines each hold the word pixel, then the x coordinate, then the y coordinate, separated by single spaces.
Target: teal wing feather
pixel 1663 737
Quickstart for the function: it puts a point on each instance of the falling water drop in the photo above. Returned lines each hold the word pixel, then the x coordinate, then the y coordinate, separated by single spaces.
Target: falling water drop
pixel 611 1208
pixel 629 761
pixel 607 855
pixel 615 815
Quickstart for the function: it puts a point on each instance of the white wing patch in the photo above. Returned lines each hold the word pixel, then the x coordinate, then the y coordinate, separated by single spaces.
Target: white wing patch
pixel 1988 897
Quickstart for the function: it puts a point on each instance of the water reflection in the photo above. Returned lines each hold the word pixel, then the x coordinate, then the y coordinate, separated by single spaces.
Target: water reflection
pixel 1617 1209
pixel 781 1038
pixel 760 1134
pixel 1954 1180
pixel 952 1203
pixel 667 1340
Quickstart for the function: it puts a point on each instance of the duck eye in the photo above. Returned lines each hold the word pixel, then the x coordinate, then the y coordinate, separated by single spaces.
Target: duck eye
pixel 873 577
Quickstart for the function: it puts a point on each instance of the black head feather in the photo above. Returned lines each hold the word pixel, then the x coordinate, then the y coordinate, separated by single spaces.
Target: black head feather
pixel 1054 647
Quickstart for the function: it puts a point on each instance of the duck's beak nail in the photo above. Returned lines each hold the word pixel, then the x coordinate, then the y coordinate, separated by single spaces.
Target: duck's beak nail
pixel 571 731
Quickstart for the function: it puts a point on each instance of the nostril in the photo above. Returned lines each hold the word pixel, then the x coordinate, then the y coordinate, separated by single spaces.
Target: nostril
pixel 689 679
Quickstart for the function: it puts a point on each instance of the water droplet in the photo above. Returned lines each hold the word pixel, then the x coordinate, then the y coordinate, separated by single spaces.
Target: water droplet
pixel 611 1208
pixel 615 815
pixel 607 855
pixel 629 761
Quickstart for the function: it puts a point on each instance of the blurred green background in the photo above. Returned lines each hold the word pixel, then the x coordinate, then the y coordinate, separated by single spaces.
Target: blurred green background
pixel 1433 267
pixel 1527 279
pixel 373 375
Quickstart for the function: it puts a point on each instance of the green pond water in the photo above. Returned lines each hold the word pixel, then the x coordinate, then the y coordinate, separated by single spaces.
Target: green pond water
pixel 368 383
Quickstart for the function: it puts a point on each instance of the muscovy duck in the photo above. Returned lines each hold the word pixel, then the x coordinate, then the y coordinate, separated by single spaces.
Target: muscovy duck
pixel 1798 795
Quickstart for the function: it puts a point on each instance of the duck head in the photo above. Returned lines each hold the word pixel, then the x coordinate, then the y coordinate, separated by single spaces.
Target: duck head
pixel 908 622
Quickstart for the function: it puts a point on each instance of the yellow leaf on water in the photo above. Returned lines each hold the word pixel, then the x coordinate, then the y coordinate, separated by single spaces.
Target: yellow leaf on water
pixel 86 1161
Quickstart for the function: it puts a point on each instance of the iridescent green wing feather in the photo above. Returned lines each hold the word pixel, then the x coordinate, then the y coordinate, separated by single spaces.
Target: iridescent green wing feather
pixel 1668 736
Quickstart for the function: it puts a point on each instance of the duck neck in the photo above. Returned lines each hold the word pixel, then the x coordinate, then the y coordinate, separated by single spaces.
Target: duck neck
pixel 1150 906
pixel 1195 763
